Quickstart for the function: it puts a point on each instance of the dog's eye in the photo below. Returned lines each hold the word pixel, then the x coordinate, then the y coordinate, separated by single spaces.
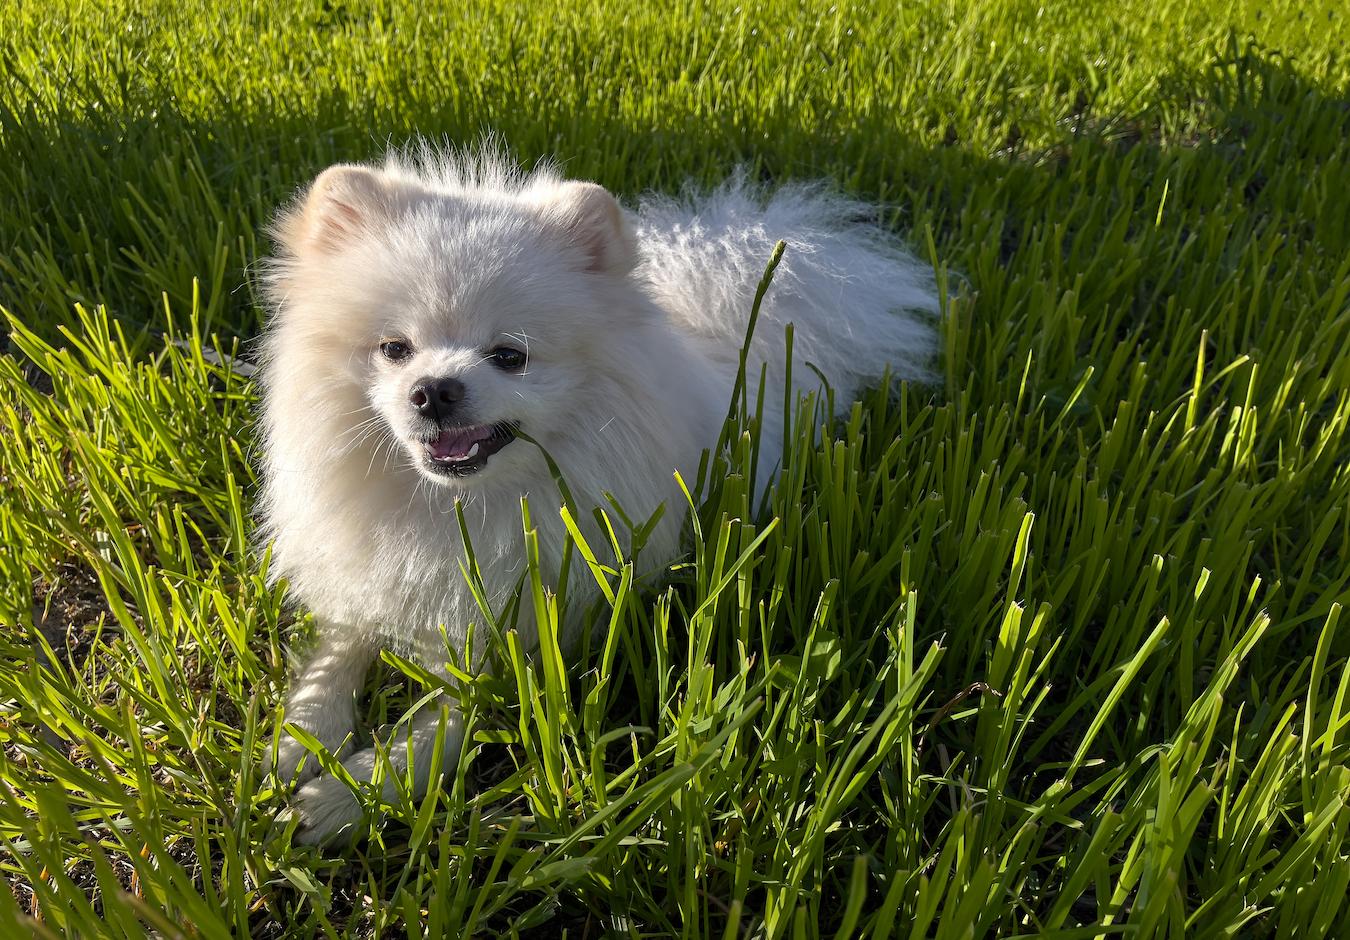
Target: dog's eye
pixel 507 359
pixel 395 349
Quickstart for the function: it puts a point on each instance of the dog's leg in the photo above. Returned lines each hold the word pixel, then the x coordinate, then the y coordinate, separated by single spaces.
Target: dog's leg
pixel 327 806
pixel 322 700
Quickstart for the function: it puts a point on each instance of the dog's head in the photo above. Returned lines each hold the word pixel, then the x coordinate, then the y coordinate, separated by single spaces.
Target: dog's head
pixel 443 313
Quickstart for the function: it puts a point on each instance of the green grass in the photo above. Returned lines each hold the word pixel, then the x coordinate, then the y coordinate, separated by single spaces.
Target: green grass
pixel 1056 649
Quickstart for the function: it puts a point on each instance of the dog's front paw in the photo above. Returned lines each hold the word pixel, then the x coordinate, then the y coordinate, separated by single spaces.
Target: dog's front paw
pixel 328 810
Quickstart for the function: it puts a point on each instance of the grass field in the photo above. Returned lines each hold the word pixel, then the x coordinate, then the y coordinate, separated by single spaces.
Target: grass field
pixel 1054 649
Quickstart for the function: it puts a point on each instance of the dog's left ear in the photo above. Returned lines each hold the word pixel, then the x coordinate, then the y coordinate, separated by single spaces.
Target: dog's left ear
pixel 590 218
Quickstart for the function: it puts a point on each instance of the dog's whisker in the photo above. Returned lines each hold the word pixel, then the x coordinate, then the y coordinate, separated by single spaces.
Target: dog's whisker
pixel 375 452
pixel 412 494
pixel 361 425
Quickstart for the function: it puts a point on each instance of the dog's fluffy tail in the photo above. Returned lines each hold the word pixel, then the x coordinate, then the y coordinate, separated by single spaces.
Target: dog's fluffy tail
pixel 858 303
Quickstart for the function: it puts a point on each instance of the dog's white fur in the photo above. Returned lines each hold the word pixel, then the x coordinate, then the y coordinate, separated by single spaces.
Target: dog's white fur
pixel 633 324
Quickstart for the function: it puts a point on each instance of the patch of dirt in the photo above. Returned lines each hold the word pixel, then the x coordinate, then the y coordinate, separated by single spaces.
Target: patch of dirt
pixel 69 613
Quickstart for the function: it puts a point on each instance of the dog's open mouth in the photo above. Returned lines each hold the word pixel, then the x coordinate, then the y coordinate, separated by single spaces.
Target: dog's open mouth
pixel 462 451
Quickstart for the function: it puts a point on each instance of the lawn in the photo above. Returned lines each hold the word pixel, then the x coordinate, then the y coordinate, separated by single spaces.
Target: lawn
pixel 1054 648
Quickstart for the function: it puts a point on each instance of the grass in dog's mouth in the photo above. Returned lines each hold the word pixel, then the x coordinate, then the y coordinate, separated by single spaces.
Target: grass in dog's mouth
pixel 465 450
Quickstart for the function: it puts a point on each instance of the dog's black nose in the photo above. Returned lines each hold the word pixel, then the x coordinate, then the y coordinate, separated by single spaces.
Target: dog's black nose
pixel 436 398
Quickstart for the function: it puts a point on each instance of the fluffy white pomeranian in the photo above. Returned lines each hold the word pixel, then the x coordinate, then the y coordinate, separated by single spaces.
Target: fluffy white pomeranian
pixel 430 314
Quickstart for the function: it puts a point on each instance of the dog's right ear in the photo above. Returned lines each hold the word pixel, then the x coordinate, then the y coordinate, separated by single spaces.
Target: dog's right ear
pixel 343 202
pixel 589 218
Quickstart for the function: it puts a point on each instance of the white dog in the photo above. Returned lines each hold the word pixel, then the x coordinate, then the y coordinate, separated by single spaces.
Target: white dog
pixel 428 312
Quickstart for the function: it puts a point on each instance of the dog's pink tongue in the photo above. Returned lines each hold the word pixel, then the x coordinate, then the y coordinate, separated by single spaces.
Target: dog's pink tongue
pixel 457 443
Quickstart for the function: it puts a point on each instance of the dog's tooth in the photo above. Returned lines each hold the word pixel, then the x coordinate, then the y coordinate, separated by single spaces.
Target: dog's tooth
pixel 473 451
